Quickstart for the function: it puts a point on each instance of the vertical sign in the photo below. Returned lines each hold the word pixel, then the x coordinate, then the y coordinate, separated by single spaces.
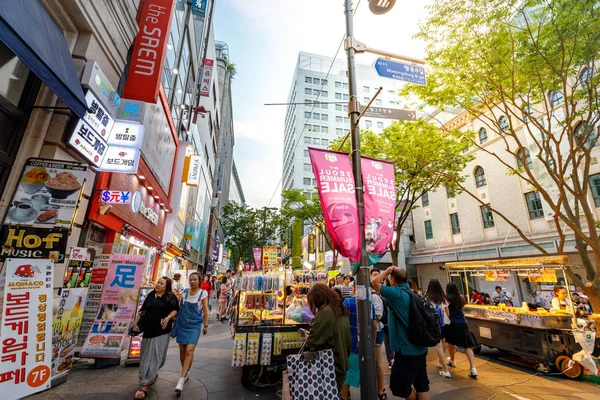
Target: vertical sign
pixel 145 68
pixel 257 251
pixel 117 307
pixel 99 272
pixel 206 77
pixel 198 7
pixel 26 332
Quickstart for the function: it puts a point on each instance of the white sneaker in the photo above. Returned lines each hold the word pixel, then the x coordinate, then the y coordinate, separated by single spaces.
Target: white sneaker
pixel 473 373
pixel 451 362
pixel 445 374
pixel 179 386
pixel 187 377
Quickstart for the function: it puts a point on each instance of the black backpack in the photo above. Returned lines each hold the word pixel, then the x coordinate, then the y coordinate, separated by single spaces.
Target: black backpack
pixel 424 327
pixel 386 305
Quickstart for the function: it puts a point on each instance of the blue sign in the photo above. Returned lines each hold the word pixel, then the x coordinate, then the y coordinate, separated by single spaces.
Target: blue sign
pixel 198 7
pixel 400 71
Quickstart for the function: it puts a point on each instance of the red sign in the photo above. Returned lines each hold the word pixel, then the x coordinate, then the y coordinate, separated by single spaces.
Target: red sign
pixel 145 68
pixel 207 70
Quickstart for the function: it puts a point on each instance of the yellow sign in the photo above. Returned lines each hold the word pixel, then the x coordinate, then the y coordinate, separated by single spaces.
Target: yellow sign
pixel 496 275
pixel 269 255
pixel 546 275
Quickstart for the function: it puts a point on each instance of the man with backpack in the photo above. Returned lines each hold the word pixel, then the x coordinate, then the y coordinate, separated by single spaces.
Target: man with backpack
pixel 409 373
pixel 380 355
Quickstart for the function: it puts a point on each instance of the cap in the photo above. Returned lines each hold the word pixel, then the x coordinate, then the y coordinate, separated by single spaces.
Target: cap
pixel 504 289
pixel 583 296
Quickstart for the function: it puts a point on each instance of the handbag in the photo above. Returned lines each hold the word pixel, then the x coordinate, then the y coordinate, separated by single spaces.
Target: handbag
pixel 140 326
pixel 312 375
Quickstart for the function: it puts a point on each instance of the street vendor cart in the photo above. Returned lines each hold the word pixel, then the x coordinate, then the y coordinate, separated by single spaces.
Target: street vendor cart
pixel 545 337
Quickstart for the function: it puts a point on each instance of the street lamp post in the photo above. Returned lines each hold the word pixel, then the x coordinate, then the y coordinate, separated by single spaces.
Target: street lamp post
pixel 265 223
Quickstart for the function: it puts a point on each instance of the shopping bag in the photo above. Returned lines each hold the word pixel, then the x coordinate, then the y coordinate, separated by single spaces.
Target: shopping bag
pixel 285 389
pixel 312 376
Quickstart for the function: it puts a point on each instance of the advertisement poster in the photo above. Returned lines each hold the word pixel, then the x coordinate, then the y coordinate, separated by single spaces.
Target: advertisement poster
pixel 335 183
pixel 78 274
pixel 117 307
pixel 99 272
pixel 68 312
pixel 33 242
pixel 546 275
pixel 26 332
pixel 257 252
pixel 136 341
pixel 269 255
pixel 380 206
pixel 496 275
pixel 82 254
pixel 47 193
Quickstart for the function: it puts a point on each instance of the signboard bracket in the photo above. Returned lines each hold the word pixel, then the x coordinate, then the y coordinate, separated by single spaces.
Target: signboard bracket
pixel 360 47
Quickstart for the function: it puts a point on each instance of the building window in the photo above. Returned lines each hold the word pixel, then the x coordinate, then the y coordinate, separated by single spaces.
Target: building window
pixel 324 105
pixel 339 119
pixel 527 112
pixel 324 117
pixel 345 96
pixel 324 142
pixel 314 182
pixel 345 107
pixel 528 161
pixel 316 141
pixel 346 120
pixel 306 114
pixel 585 77
pixel 391 93
pixel 307 167
pixel 338 84
pixel 338 107
pixel 555 97
pixel 307 91
pixel 324 129
pixel 392 103
pixel 450 192
pixel 378 102
pixel 455 223
pixel 380 125
pixel 428 230
pixel 308 79
pixel 339 131
pixel 487 217
pixel 306 154
pixel 338 96
pixel 345 85
pixel 368 123
pixel 346 131
pixel 316 116
pixel 534 205
pixel 366 89
pixel 324 93
pixel 480 177
pixel 595 185
pixel 367 100
pixel 482 135
pixel 503 123
pixel 425 199
pixel 316 128
pixel 307 139
pixel 584 135
pixel 306 181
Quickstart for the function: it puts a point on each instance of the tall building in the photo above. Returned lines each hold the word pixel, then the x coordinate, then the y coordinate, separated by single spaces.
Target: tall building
pixel 236 192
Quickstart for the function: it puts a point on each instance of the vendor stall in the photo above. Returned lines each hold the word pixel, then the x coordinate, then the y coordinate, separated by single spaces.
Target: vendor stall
pixel 549 337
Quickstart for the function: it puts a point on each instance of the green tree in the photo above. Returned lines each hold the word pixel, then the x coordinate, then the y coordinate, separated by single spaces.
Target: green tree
pixel 425 158
pixel 527 69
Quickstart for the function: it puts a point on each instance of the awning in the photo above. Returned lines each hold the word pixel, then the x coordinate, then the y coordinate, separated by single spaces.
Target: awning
pixel 30 32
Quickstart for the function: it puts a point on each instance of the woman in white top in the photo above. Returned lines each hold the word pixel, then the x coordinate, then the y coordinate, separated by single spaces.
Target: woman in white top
pixel 560 300
pixel 193 313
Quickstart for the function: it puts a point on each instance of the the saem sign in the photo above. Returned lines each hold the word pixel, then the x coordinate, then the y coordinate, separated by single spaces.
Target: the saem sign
pixel 145 68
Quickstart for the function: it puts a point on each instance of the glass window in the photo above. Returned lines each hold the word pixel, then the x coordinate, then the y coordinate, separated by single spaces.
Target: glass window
pixel 455 223
pixel 324 93
pixel 480 177
pixel 307 167
pixel 316 116
pixel 425 199
pixel 324 105
pixel 378 102
pixel 595 186
pixel 316 141
pixel 482 135
pixel 366 89
pixel 324 82
pixel 527 112
pixel 324 129
pixel 306 181
pixel 338 96
pixel 307 91
pixel 338 84
pixel 582 134
pixel 324 142
pixel 368 123
pixel 339 119
pixel 324 117
pixel 528 161
pixel 308 79
pixel 13 76
pixel 307 114
pixel 346 120
pixel 534 205
pixel 380 125
pixel 308 127
pixel 345 85
pixel 555 97
pixel 346 97
pixel 450 192
pixel 307 139
pixel 586 76
pixel 316 128
pixel 391 92
pixel 314 182
pixel 338 107
pixel 339 131
pixel 345 107
pixel 487 217
pixel 306 153
pixel 392 102
pixel 346 131
pixel 503 123
pixel 428 230
pixel 367 100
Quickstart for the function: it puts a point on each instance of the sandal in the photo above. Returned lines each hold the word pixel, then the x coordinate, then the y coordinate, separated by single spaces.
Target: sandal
pixel 140 398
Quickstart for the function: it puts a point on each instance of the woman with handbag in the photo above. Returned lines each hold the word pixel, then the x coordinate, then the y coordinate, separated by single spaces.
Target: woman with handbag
pixel 331 328
pixel 191 320
pixel 155 319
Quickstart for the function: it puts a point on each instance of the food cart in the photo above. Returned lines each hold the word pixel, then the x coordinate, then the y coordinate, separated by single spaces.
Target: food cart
pixel 538 335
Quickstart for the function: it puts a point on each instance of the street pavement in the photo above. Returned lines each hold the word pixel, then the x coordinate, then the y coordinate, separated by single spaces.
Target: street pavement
pixel 213 378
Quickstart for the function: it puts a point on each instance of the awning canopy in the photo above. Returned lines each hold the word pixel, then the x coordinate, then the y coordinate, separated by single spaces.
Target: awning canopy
pixel 30 32
pixel 512 262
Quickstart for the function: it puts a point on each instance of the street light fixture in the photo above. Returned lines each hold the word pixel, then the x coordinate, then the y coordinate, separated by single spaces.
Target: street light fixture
pixel 381 6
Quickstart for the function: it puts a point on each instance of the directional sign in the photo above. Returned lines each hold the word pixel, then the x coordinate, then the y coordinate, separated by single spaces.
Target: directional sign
pixel 389 113
pixel 400 71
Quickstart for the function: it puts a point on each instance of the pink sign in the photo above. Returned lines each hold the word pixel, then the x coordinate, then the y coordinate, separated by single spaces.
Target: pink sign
pixel 117 307
pixel 380 204
pixel 338 202
pixel 257 251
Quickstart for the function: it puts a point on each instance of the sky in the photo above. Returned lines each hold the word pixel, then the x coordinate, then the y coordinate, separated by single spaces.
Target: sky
pixel 264 39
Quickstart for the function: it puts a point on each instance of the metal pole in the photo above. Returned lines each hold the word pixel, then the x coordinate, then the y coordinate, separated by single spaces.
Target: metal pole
pixel 368 386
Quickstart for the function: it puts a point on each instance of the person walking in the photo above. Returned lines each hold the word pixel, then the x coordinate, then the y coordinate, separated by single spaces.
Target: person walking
pixel 191 320
pixel 208 287
pixel 157 315
pixel 380 355
pixel 177 286
pixel 214 295
pixel 457 332
pixel 346 288
pixel 409 373
pixel 223 297
pixel 437 298
pixel 331 328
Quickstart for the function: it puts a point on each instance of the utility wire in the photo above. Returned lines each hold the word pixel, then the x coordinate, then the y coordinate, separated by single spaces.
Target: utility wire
pixel 314 104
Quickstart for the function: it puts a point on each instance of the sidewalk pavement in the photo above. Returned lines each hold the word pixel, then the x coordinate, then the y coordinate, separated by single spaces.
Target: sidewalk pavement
pixel 213 378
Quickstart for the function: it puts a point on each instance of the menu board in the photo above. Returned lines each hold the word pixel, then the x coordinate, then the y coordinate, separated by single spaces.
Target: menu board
pixel 47 193
pixel 99 272
pixel 117 307
pixel 26 332
pixel 269 255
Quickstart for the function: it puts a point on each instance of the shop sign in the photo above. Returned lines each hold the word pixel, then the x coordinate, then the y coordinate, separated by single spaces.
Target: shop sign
pixel 191 170
pixel 95 80
pixel 89 143
pixel 198 7
pixel 33 242
pixel 131 110
pixel 115 197
pixel 159 147
pixel 128 134
pixel 135 346
pixel 137 205
pixel 26 327
pixel 82 254
pixel 97 116
pixel 269 255
pixel 99 272
pixel 117 307
pixel 206 77
pixel 121 159
pixel 65 329
pixel 146 66
pixel 47 193
pixel 78 274
pixel 311 243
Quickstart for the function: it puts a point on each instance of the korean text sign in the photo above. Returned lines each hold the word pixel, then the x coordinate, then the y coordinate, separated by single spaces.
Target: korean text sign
pixel 95 287
pixel 335 183
pixel 26 333
pixel 206 77
pixel 117 307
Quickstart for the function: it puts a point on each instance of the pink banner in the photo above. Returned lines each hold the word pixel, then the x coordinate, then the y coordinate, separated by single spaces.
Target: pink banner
pixel 117 307
pixel 257 251
pixel 333 172
pixel 380 204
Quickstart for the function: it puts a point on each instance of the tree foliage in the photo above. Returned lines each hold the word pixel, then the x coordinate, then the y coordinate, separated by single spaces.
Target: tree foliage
pixel 533 62
pixel 424 157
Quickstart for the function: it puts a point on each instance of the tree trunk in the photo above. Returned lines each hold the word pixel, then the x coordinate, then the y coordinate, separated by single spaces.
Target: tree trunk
pixel 394 254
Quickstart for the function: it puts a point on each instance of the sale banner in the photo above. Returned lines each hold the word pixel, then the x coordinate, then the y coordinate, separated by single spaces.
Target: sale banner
pixel 95 287
pixel 68 313
pixel 117 307
pixel 335 184
pixel 257 252
pixel 26 332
